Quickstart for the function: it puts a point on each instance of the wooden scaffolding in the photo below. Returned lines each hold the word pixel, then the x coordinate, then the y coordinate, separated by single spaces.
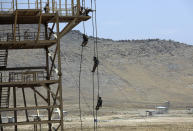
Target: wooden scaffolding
pixel 43 13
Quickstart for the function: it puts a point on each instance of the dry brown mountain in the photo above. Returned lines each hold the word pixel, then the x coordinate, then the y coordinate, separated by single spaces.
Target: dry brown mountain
pixel 132 72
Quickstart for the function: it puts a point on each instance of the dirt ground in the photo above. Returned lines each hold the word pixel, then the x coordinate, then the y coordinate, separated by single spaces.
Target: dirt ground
pixel 175 120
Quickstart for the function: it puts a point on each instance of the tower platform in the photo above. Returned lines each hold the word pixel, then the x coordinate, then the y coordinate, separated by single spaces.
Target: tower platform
pixel 29 44
pixel 32 16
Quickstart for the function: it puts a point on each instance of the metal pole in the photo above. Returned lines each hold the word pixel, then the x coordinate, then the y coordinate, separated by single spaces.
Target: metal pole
pixel 59 73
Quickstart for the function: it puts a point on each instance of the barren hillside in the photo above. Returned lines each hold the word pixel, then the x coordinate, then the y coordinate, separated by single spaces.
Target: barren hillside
pixel 133 73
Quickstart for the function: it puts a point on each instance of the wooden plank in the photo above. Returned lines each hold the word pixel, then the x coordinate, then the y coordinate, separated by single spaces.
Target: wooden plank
pixel 68 28
pixel 39 94
pixel 27 44
pixel 29 108
pixel 51 92
pixel 25 104
pixel 53 60
pixel 30 123
pixel 27 84
pixel 46 18
pixel 22 68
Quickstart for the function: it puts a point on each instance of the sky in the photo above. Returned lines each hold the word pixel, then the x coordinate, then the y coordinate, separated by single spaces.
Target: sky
pixel 144 19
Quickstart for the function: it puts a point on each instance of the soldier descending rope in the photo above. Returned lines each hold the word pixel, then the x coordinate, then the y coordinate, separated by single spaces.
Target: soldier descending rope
pixel 85 40
pixel 99 103
pixel 96 63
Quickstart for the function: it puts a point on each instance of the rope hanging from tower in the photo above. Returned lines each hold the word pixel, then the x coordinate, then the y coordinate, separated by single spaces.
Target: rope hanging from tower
pixel 84 43
pixel 95 68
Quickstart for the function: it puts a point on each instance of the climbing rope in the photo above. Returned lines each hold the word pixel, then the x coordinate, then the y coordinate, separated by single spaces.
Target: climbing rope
pixel 98 79
pixel 95 67
pixel 93 80
pixel 79 88
pixel 77 85
pixel 80 71
pixel 96 62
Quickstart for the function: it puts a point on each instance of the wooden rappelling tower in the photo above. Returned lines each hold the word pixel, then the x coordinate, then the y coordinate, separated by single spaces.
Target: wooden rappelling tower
pixel 46 16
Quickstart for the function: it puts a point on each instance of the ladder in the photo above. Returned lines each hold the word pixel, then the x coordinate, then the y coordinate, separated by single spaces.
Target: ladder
pixel 3 58
pixel 4 95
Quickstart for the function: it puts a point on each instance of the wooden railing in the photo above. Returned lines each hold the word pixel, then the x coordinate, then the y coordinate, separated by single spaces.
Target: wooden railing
pixel 25 76
pixel 21 36
pixel 64 7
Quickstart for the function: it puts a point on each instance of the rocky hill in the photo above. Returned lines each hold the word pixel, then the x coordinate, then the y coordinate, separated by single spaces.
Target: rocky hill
pixel 132 72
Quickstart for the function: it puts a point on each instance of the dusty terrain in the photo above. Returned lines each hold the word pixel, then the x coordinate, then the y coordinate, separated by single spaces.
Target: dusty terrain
pixel 135 71
pixel 134 120
pixel 135 75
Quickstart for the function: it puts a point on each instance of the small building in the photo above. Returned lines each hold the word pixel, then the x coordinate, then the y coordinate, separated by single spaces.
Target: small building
pixel 161 110
pixel 189 109
pixel 150 113
pixel 57 113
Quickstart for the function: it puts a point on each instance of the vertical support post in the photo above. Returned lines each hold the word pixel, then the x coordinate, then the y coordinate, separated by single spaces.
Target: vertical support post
pixel 15 106
pixel 25 105
pixel 28 5
pixel 1 6
pixel 13 4
pixel 72 6
pixel 16 4
pixel 46 31
pixel 78 7
pixel 60 8
pixel 59 73
pixel 14 35
pixel 48 2
pixel 37 4
pixel 53 6
pixel 66 7
pixel 39 26
pixel 48 92
pixel 1 128
pixel 41 4
pixel 36 103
